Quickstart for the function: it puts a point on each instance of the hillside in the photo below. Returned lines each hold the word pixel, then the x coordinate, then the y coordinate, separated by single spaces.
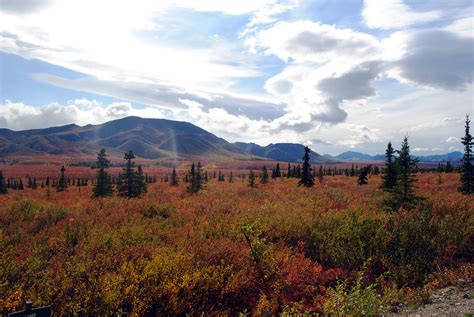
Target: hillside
pixel 453 157
pixel 287 152
pixel 148 138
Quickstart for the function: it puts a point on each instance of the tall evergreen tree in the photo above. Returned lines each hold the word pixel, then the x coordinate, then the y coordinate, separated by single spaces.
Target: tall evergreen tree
pixel 220 177
pixel 363 175
pixel 62 183
pixel 406 177
pixel 288 173
pixel 449 167
pixel 195 179
pixel 277 170
pixel 353 171
pixel 264 175
pixel 130 182
pixel 467 168
pixel 389 173
pixel 298 171
pixel 231 177
pixel 48 192
pixel 252 179
pixel 127 178
pixel 320 173
pixel 375 170
pixel 174 178
pixel 103 184
pixel 140 183
pixel 3 186
pixel 306 179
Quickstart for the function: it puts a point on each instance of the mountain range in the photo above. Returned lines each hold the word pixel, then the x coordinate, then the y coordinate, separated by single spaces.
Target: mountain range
pixel 288 152
pixel 358 156
pixel 148 138
pixel 159 139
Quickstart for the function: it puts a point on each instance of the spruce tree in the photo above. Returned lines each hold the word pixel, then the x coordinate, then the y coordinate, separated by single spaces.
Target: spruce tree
pixel 3 186
pixel 389 173
pixel 103 184
pixel 306 179
pixel 406 165
pixel 252 179
pixel 264 175
pixel 320 173
pixel 467 168
pixel 277 171
pixel 220 178
pixel 48 192
pixel 195 179
pixel 375 170
pixel 140 183
pixel 62 183
pixel 363 175
pixel 174 178
pixel 231 177
pixel 131 183
pixel 449 167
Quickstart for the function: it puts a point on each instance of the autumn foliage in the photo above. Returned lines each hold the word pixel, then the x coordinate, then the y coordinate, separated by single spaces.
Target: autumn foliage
pixel 228 249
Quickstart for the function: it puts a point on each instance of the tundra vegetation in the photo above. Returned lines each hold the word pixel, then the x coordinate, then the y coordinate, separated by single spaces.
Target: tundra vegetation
pixel 185 242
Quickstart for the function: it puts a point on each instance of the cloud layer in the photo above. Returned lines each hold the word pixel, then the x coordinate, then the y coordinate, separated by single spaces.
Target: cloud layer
pixel 278 75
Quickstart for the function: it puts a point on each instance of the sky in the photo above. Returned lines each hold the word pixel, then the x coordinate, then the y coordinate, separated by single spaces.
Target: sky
pixel 335 75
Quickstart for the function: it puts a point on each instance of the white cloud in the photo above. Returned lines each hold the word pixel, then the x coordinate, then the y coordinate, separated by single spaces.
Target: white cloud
pixel 421 149
pixel 437 59
pixel 268 14
pixel 85 36
pixel 463 26
pixel 326 66
pixel 452 139
pixel 232 7
pixel 168 96
pixel 358 134
pixel 311 41
pixel 18 116
pixel 434 124
pixel 394 14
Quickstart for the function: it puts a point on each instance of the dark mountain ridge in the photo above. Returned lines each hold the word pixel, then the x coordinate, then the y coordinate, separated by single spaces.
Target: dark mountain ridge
pixel 287 152
pixel 148 138
pixel 162 139
pixel 453 157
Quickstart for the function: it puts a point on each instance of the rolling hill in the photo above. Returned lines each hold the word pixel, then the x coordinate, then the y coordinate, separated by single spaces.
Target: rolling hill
pixel 287 152
pixel 351 156
pixel 157 139
pixel 148 138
